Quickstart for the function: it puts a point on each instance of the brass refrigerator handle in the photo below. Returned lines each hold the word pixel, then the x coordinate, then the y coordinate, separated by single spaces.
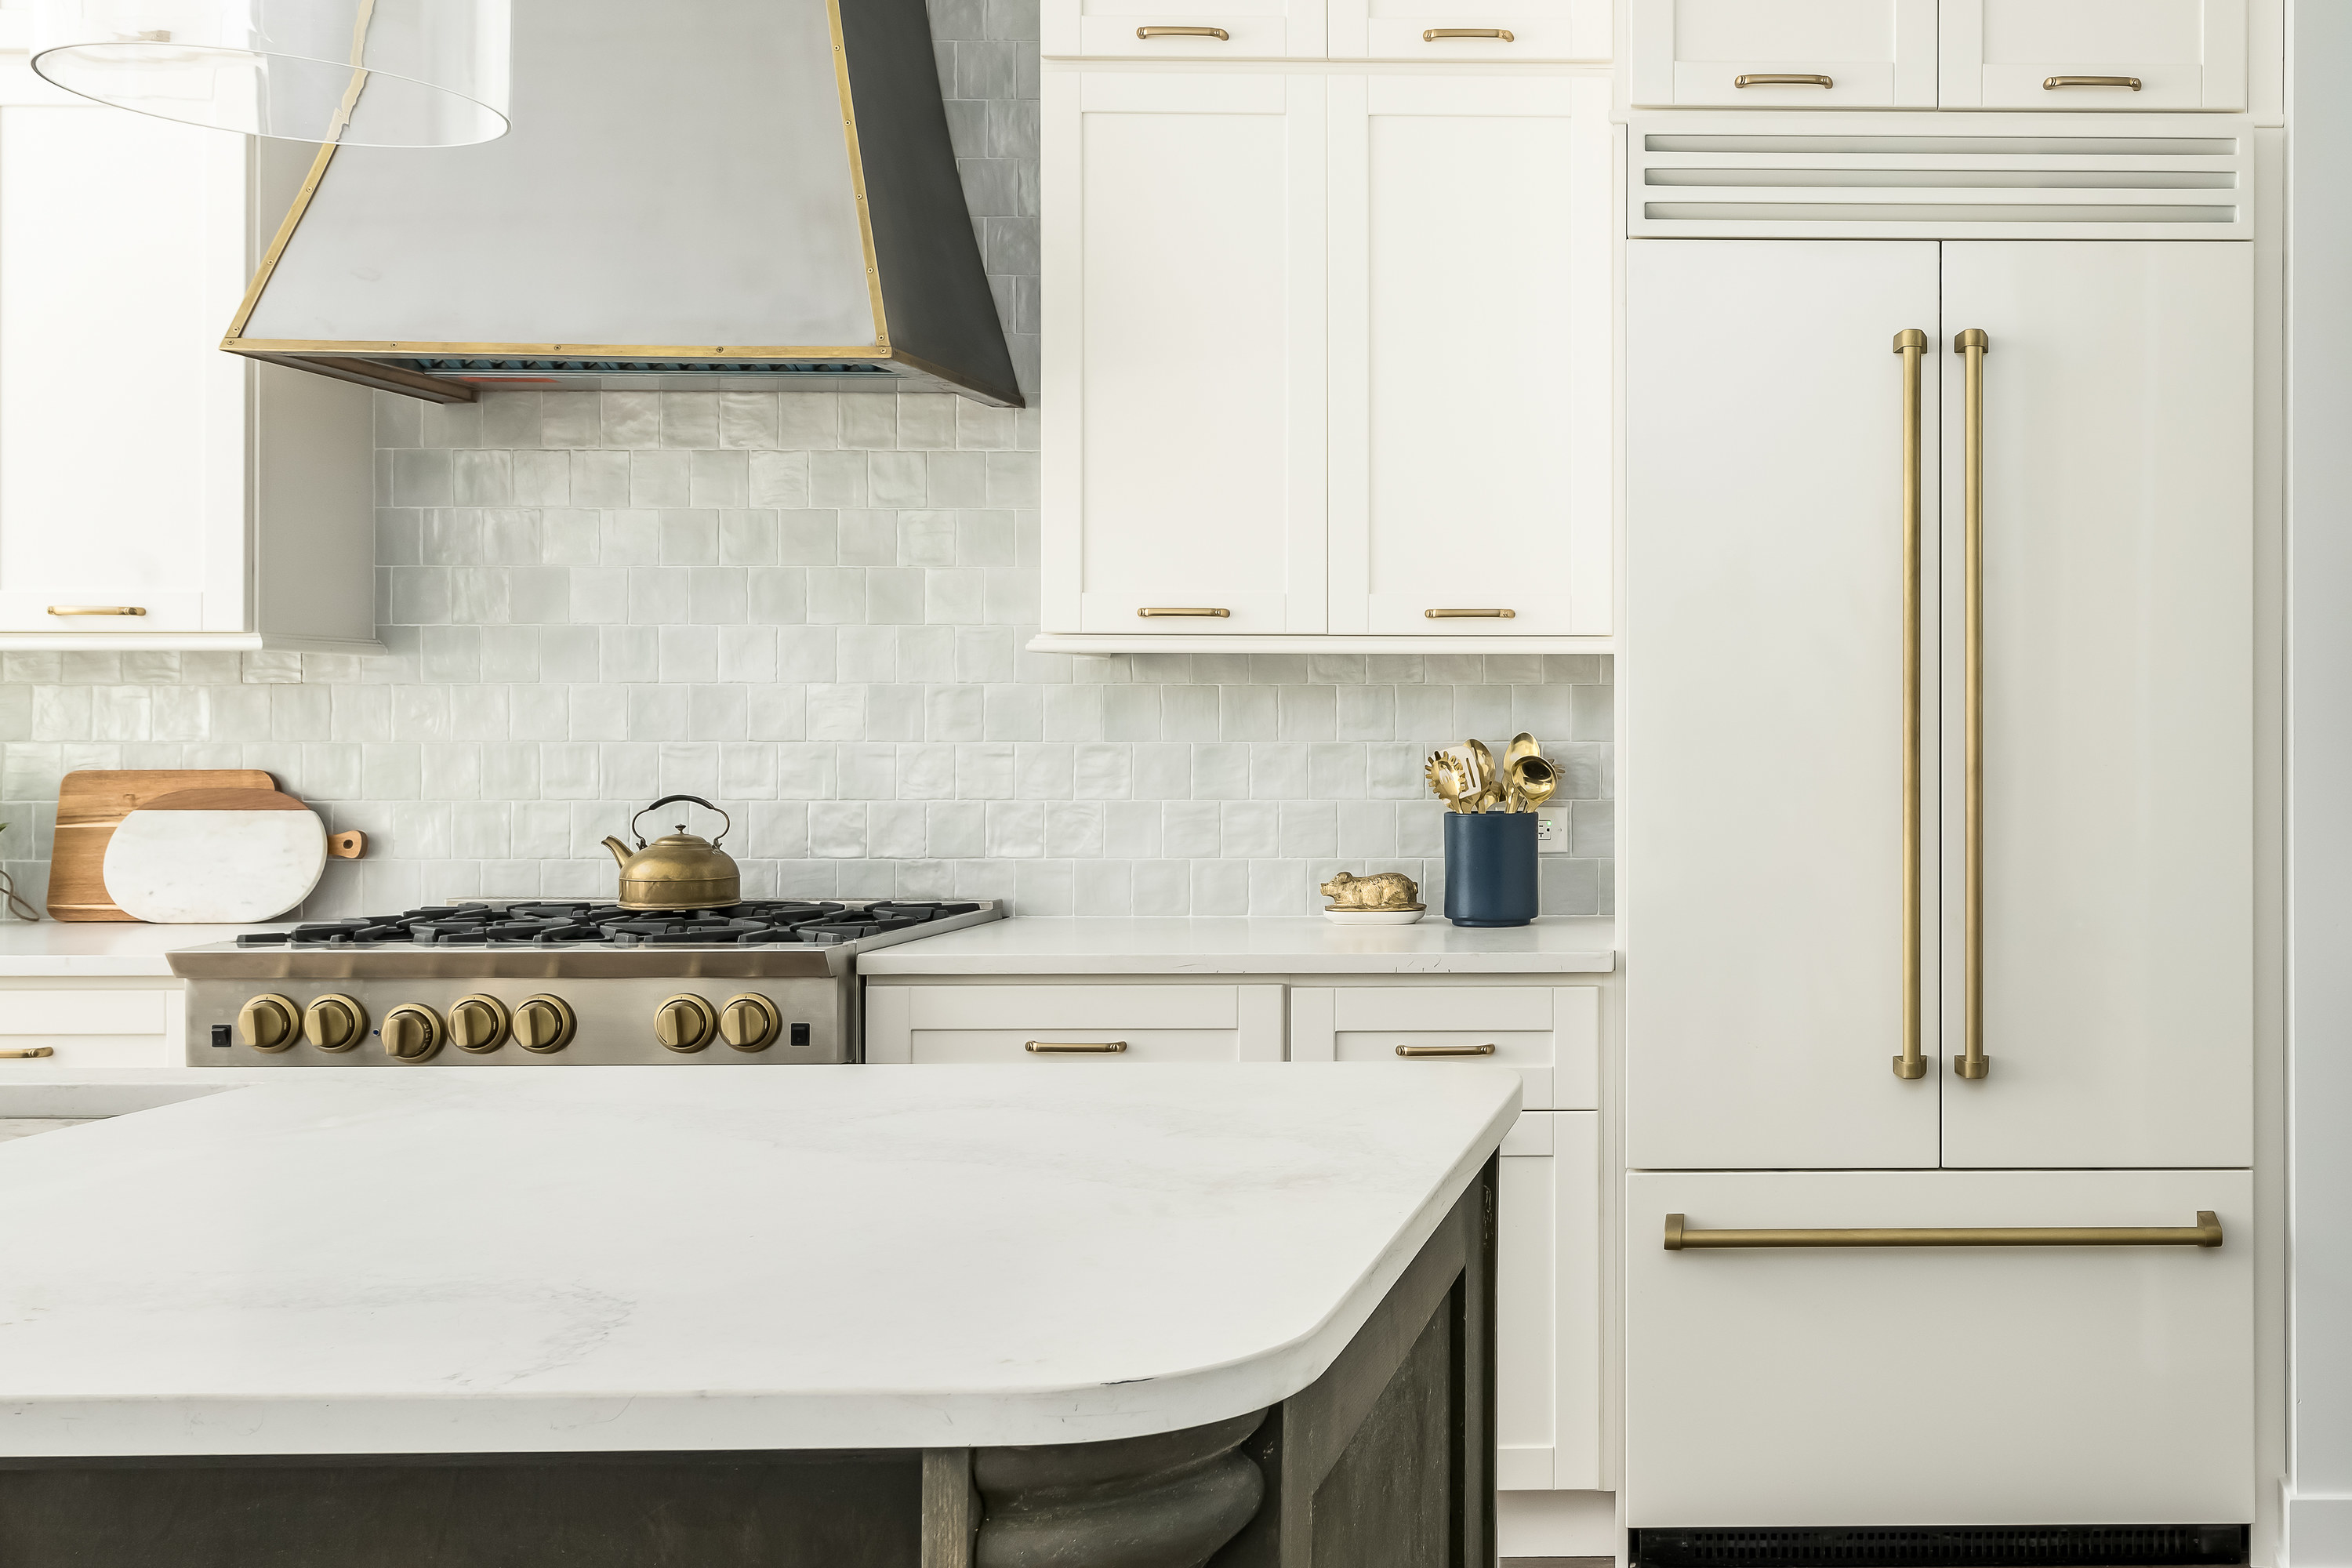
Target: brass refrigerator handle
pixel 2206 1232
pixel 1075 1048
pixel 1972 345
pixel 2052 83
pixel 1431 35
pixel 1780 79
pixel 1912 344
pixel 1153 613
pixel 1217 32
pixel 1445 1050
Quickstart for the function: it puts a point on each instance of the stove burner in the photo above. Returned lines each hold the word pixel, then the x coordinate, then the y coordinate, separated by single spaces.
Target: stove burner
pixel 756 923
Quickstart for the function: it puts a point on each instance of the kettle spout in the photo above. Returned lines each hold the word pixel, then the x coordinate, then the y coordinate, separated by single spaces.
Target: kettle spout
pixel 620 851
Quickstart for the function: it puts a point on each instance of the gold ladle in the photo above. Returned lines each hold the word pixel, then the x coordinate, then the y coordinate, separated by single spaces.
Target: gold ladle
pixel 1533 780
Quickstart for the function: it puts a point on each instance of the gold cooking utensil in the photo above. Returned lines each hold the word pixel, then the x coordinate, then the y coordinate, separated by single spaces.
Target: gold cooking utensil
pixel 1533 780
pixel 1444 782
pixel 1490 777
pixel 1522 745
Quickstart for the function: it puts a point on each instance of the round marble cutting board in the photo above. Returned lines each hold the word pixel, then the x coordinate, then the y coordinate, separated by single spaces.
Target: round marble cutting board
pixel 215 855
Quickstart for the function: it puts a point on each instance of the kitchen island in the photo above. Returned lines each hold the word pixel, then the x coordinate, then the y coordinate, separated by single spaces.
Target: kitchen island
pixel 849 1315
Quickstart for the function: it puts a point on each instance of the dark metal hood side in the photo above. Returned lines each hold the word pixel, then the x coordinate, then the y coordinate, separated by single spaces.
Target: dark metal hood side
pixel 748 193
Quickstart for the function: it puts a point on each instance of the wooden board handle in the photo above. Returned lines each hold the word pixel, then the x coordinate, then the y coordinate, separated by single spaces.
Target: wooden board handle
pixel 347 846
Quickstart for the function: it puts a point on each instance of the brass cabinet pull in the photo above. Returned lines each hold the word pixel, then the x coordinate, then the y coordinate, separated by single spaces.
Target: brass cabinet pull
pixel 2052 83
pixel 1470 615
pixel 1776 79
pixel 2206 1232
pixel 1431 35
pixel 30 1051
pixel 1155 613
pixel 1217 32
pixel 1912 344
pixel 97 610
pixel 1972 345
pixel 1445 1050
pixel 1076 1047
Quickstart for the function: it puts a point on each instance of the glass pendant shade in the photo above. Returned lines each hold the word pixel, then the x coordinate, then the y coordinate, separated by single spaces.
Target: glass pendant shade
pixel 372 73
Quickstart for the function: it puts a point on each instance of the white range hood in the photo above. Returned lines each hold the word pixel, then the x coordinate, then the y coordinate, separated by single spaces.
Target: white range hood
pixel 741 192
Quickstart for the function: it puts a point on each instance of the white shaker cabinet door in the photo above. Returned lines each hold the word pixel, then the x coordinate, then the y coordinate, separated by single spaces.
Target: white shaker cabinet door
pixel 1784 54
pixel 1548 1305
pixel 1764 618
pixel 121 423
pixel 1450 31
pixel 1470 227
pixel 1184 353
pixel 2101 55
pixel 1157 30
pixel 2117 704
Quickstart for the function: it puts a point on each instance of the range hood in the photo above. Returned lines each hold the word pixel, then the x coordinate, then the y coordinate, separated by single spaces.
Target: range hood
pixel 739 192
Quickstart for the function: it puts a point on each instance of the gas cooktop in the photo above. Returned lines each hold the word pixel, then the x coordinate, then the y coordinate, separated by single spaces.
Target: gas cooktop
pixel 756 923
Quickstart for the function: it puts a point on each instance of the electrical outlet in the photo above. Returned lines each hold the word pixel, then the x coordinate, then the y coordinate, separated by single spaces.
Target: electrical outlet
pixel 1551 831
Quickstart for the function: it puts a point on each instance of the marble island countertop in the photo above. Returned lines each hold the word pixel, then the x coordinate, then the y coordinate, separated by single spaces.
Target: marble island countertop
pixel 646 1258
pixel 1026 945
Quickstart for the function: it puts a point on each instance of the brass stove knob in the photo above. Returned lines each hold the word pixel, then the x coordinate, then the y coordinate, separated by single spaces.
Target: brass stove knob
pixel 544 1024
pixel 410 1033
pixel 478 1024
pixel 269 1022
pixel 335 1023
pixel 684 1023
pixel 749 1022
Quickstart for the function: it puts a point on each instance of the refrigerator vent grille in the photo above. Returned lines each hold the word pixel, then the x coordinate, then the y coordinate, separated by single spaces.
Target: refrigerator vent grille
pixel 1975 1546
pixel 1986 178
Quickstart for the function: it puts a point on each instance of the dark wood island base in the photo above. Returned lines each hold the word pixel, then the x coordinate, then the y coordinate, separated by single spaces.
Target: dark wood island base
pixel 1385 1461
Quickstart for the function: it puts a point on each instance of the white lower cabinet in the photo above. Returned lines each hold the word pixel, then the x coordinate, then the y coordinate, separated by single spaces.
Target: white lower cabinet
pixel 117 1024
pixel 1945 1385
pixel 1548 1305
pixel 1550 1034
pixel 1088 1024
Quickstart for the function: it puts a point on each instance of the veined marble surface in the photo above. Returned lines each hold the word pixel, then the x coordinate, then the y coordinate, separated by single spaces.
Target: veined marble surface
pixel 1055 945
pixel 666 1257
pixel 51 948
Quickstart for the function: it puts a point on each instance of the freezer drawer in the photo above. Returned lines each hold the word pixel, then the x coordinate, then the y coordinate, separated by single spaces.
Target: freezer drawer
pixel 1945 1385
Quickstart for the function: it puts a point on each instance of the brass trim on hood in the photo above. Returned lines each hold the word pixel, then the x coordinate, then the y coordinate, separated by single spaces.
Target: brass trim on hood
pixel 857 173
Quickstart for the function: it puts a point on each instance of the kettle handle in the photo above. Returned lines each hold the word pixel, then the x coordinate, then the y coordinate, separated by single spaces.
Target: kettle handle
pixel 691 799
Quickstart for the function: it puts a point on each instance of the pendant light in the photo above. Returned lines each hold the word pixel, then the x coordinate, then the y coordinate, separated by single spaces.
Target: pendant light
pixel 366 73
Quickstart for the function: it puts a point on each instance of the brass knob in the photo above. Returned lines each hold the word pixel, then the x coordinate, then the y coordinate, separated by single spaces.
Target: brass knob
pixel 544 1024
pixel 410 1033
pixel 478 1024
pixel 335 1023
pixel 749 1021
pixel 684 1023
pixel 269 1022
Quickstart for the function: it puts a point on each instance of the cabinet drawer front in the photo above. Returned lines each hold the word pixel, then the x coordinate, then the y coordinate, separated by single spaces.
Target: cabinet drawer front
pixel 1066 1007
pixel 1959 1384
pixel 931 1047
pixel 2161 87
pixel 1553 1036
pixel 1539 29
pixel 29 1013
pixel 1448 1008
pixel 1246 37
pixel 1713 84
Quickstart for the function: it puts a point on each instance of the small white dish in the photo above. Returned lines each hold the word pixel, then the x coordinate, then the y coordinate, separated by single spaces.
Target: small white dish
pixel 1375 917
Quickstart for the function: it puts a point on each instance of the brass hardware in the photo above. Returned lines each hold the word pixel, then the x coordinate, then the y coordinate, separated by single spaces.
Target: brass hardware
pixel 1972 345
pixel 678 870
pixel 1150 614
pixel 29 1051
pixel 684 1023
pixel 1470 615
pixel 2052 83
pixel 62 610
pixel 749 1021
pixel 545 1023
pixel 1776 79
pixel 1445 1050
pixel 269 1022
pixel 412 1033
pixel 1075 1048
pixel 1217 32
pixel 2206 1232
pixel 1912 344
pixel 1431 35
pixel 478 1024
pixel 335 1023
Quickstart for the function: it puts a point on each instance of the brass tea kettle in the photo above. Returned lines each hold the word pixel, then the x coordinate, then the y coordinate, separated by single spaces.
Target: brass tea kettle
pixel 678 870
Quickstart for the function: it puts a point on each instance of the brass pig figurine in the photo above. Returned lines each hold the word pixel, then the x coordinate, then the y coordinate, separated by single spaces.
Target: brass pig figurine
pixel 1389 890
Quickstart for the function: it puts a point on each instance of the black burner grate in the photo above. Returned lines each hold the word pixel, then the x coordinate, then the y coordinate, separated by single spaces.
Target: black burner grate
pixel 1958 1546
pixel 756 923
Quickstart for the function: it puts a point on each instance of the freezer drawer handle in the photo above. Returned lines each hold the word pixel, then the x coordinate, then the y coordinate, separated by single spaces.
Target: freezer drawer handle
pixel 1445 1050
pixel 2206 1232
pixel 1075 1048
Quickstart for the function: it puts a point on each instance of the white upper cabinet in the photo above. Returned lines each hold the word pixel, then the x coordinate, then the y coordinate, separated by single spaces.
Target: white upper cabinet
pixel 1184 363
pixel 1222 29
pixel 1470 355
pixel 154 492
pixel 1445 31
pixel 1927 54
pixel 1777 54
pixel 2092 54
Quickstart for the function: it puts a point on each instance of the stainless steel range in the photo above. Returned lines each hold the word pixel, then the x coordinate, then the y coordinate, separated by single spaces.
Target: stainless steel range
pixel 538 981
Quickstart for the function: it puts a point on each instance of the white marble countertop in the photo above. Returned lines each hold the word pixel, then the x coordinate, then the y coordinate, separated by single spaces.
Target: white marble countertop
pixel 1309 946
pixel 51 948
pixel 666 1259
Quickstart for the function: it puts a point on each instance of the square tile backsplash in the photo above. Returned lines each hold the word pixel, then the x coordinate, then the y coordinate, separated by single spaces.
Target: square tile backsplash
pixel 812 608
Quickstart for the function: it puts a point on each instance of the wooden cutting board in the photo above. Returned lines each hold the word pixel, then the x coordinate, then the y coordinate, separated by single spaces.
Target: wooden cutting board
pixel 224 856
pixel 92 803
